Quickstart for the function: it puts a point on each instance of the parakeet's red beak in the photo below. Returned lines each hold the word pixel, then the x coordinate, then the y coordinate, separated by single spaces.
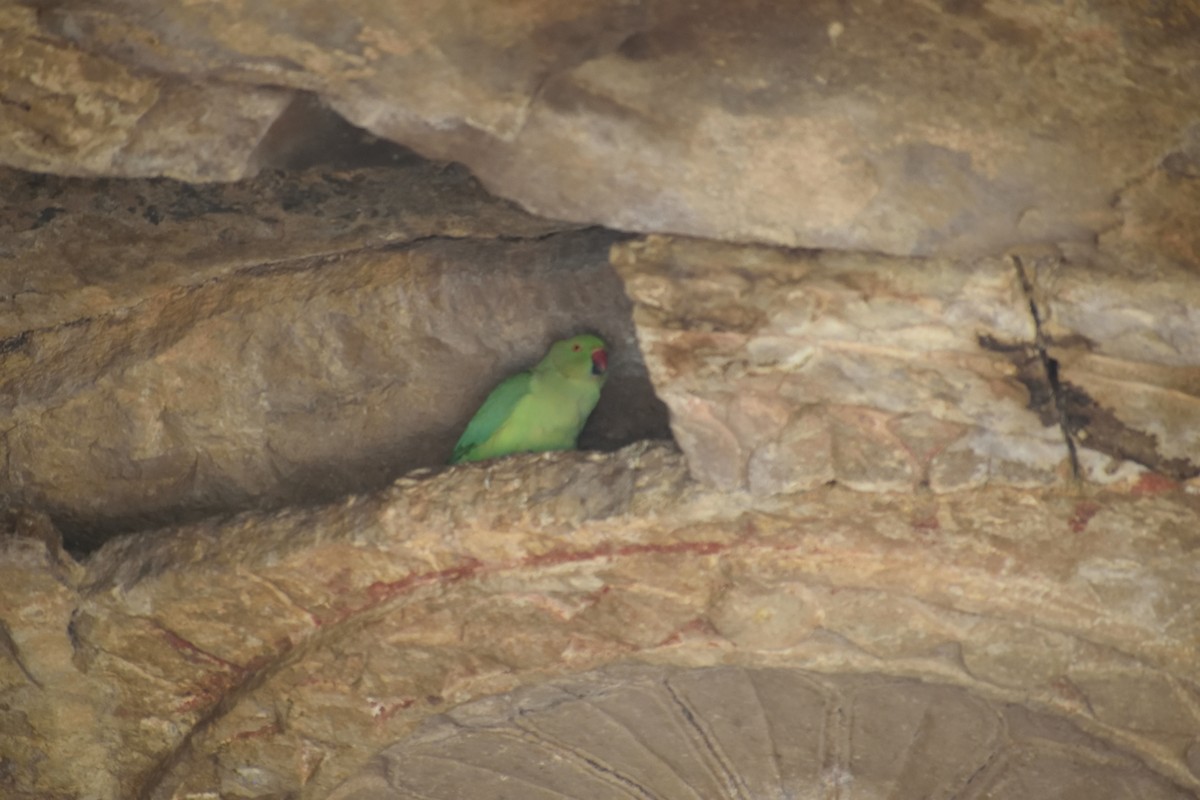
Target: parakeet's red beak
pixel 599 361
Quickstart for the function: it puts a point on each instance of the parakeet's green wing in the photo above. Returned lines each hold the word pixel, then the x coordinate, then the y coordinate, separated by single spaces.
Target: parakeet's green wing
pixel 492 414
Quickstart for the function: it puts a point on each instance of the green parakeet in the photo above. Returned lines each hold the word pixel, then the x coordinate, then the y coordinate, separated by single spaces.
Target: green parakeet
pixel 541 409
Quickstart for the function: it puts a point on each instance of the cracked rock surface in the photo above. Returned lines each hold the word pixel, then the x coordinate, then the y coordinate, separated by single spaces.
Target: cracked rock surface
pixel 358 622
pixel 788 370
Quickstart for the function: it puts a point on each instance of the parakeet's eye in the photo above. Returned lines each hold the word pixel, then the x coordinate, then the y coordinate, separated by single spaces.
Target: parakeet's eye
pixel 576 348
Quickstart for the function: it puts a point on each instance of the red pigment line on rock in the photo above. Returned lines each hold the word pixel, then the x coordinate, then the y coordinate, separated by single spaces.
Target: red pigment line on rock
pixel 184 646
pixel 380 591
pixel 212 686
pixel 207 692
pixel 566 556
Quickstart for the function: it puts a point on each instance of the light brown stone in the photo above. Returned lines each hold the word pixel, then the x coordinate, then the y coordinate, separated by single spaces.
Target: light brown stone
pixel 163 379
pixel 276 653
pixel 746 732
pixel 1125 336
pixel 944 536
pixel 73 112
pixel 902 128
pixel 784 371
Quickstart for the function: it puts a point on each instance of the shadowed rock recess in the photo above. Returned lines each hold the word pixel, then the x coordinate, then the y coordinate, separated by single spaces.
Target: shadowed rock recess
pixel 894 489
pixel 341 333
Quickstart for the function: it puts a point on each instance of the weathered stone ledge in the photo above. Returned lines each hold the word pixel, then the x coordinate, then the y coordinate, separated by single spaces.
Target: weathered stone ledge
pixel 217 652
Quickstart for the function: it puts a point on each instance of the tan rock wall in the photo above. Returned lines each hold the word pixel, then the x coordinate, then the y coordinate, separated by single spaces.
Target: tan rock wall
pixel 786 371
pixel 938 471
pixel 72 112
pixel 183 352
pixel 734 732
pixel 905 128
pixel 275 653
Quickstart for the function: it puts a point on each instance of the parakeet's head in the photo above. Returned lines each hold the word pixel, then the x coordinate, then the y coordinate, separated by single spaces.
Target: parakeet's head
pixel 579 357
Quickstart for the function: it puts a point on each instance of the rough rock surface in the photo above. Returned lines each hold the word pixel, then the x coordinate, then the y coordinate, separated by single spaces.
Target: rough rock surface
pixel 749 733
pixel 273 654
pixel 786 370
pixel 73 112
pixel 941 468
pixel 182 351
pixel 907 128
pixel 1126 340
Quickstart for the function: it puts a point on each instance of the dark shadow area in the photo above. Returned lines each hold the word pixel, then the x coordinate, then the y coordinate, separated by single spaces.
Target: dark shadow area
pixel 309 134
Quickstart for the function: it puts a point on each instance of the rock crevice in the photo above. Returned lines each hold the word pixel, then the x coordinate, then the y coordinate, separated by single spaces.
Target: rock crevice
pixel 1049 366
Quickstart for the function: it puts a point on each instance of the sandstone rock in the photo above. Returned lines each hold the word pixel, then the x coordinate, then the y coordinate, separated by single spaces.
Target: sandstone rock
pixel 785 371
pixel 1157 226
pixel 74 249
pixel 902 128
pixel 945 532
pixel 733 732
pixel 43 690
pixel 1126 341
pixel 340 332
pixel 72 112
pixel 274 653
